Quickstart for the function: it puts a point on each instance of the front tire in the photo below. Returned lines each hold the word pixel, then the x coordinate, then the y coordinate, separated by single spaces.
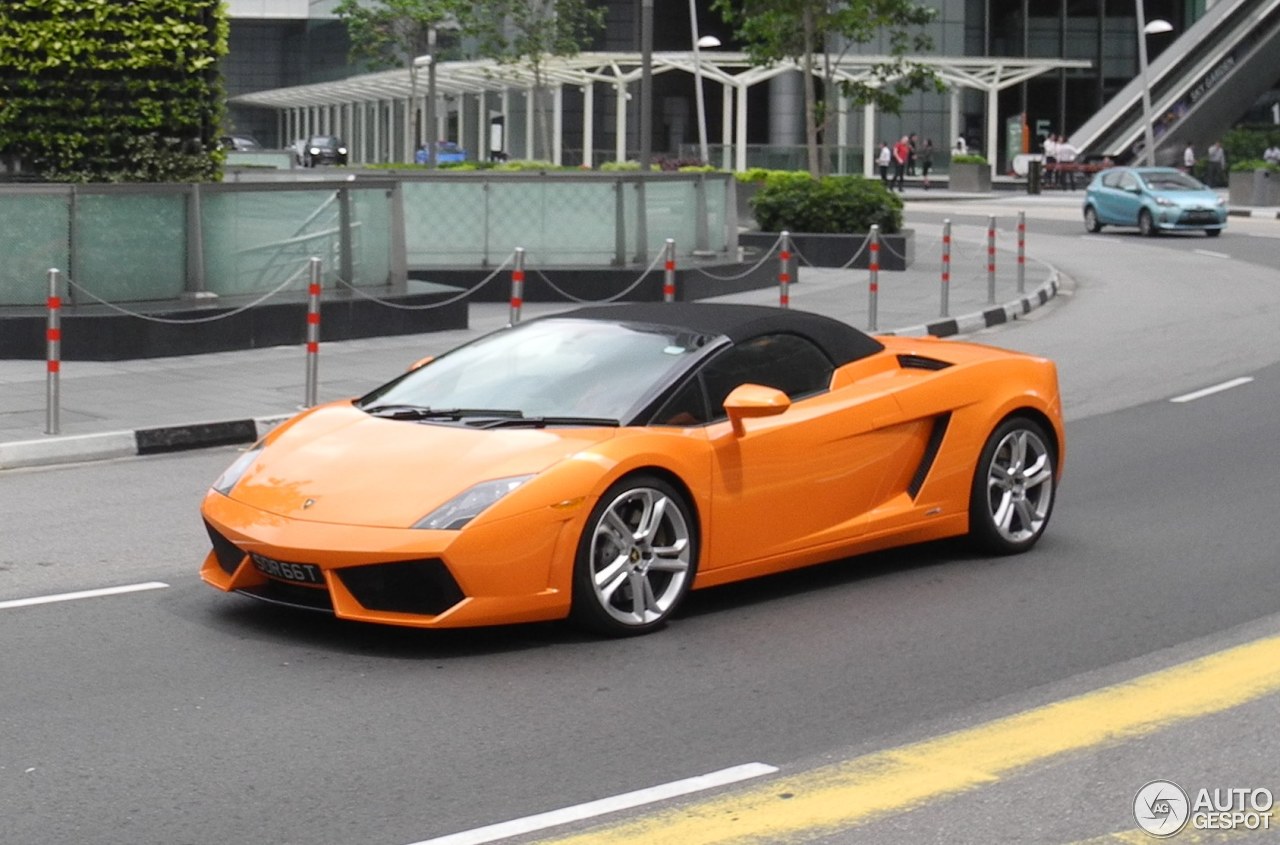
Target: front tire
pixel 1091 222
pixel 1146 223
pixel 636 558
pixel 1013 488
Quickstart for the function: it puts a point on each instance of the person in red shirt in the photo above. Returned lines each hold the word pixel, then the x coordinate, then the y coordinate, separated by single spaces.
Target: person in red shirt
pixel 901 151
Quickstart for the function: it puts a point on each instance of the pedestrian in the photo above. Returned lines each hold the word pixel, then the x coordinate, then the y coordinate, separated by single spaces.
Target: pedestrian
pixel 1215 176
pixel 1050 148
pixel 884 159
pixel 901 152
pixel 1189 158
pixel 1272 155
pixel 1067 163
pixel 926 160
pixel 912 144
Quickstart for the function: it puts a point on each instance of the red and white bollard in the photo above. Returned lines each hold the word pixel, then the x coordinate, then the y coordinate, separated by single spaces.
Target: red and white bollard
pixel 517 287
pixel 991 260
pixel 946 266
pixel 784 271
pixel 53 354
pixel 873 302
pixel 313 333
pixel 1022 252
pixel 669 273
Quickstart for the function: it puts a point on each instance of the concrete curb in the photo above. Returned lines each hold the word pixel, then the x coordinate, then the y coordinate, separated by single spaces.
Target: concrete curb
pixel 987 318
pixel 127 444
pixel 1266 214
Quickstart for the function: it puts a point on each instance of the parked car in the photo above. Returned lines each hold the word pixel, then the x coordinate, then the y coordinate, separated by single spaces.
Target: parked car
pixel 1154 199
pixel 324 149
pixel 239 142
pixel 599 464
pixel 447 152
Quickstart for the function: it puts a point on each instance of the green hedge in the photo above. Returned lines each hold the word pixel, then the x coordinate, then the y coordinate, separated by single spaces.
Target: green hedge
pixel 112 91
pixel 797 202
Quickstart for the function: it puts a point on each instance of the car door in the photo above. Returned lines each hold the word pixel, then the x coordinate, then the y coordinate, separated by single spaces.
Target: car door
pixel 801 479
pixel 1111 200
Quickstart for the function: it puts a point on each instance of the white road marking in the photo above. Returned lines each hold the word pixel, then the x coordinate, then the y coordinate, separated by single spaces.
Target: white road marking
pixel 591 809
pixel 1210 253
pixel 1209 391
pixel 83 594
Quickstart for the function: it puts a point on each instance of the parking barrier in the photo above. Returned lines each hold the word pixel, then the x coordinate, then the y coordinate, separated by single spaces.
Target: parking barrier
pixel 1022 252
pixel 784 271
pixel 946 267
pixel 313 333
pixel 991 260
pixel 669 273
pixel 53 354
pixel 517 287
pixel 873 289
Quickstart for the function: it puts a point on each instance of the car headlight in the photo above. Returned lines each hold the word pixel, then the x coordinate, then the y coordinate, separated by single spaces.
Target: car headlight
pixel 1164 202
pixel 233 473
pixel 1222 201
pixel 342 151
pixel 315 151
pixel 467 505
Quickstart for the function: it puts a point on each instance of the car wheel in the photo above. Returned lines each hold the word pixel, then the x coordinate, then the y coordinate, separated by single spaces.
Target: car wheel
pixel 1213 233
pixel 636 558
pixel 1091 219
pixel 1013 487
pixel 1146 225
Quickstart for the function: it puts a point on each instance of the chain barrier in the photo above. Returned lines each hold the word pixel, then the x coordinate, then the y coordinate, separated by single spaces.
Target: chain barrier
pixel 763 258
pixel 428 305
pixel 652 264
pixel 174 322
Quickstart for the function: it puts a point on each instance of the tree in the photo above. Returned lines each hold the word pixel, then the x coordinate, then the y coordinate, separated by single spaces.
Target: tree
pixel 530 32
pixel 391 33
pixel 814 32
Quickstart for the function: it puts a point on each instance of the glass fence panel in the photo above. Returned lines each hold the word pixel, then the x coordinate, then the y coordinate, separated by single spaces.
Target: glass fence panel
pixel 717 214
pixel 33 238
pixel 371 236
pixel 578 222
pixel 256 240
pixel 444 224
pixel 671 210
pixel 130 247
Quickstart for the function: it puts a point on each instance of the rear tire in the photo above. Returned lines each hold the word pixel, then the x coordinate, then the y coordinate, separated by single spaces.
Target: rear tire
pixel 636 558
pixel 1013 488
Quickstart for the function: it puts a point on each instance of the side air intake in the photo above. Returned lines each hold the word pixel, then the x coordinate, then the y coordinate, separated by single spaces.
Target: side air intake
pixel 921 362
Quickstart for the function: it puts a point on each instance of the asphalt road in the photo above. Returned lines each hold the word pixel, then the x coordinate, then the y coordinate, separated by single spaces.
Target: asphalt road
pixel 179 715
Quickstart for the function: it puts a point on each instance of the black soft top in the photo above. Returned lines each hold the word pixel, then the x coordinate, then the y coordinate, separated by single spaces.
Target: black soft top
pixel 841 342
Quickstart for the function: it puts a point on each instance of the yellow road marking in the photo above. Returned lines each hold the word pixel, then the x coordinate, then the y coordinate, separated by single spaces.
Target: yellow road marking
pixel 1186 837
pixel 842 795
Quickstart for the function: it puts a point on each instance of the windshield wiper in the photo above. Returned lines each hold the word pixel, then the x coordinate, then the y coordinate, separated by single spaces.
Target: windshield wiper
pixel 421 412
pixel 543 422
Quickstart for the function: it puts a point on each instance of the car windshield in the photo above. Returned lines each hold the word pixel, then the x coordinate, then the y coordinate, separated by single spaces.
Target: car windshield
pixel 548 368
pixel 1172 181
pixel 324 141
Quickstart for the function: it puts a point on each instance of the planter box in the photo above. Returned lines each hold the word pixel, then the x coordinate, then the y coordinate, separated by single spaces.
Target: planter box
pixel 745 191
pixel 897 251
pixel 1253 187
pixel 970 178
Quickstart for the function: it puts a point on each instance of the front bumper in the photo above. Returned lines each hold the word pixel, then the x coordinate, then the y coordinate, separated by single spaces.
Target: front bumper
pixel 1178 219
pixel 512 570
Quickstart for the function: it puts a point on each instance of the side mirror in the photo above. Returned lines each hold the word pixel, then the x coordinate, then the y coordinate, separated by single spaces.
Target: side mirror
pixel 421 362
pixel 753 400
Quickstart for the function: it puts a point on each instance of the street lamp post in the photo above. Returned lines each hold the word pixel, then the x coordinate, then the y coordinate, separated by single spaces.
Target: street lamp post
pixel 646 83
pixel 705 41
pixel 1145 29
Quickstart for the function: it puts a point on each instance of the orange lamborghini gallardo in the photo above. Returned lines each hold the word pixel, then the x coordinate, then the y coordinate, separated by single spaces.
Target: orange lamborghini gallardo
pixel 601 463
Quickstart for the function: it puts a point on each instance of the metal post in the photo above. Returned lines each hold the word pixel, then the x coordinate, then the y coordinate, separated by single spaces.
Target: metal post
pixel 53 352
pixel 784 271
pixel 991 260
pixel 313 332
pixel 517 287
pixel 669 273
pixel 873 265
pixel 1022 252
pixel 946 266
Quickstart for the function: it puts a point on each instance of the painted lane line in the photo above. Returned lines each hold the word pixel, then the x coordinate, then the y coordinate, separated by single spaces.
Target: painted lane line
pixel 591 809
pixel 1210 253
pixel 844 795
pixel 83 594
pixel 1209 391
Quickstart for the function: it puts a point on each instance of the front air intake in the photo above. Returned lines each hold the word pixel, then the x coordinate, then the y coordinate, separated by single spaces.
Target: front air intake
pixel 228 554
pixel 413 586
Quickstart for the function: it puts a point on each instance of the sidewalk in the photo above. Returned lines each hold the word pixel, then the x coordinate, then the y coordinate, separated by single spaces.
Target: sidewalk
pixel 124 408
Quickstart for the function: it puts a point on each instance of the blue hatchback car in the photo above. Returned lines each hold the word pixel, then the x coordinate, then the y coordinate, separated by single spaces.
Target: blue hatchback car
pixel 1155 199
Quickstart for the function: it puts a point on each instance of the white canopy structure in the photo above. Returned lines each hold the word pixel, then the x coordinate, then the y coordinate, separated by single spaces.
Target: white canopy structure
pixel 372 110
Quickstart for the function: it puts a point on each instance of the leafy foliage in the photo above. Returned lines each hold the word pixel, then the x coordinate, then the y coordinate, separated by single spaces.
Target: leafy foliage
pixel 818 33
pixel 100 90
pixel 392 33
pixel 968 158
pixel 797 202
pixel 1244 143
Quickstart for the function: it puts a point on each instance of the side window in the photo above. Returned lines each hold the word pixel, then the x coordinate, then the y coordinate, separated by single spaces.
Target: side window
pixel 1128 182
pixel 784 362
pixel 1112 179
pixel 687 407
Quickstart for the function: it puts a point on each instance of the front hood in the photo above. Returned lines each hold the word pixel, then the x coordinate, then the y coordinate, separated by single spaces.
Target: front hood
pixel 1196 199
pixel 361 470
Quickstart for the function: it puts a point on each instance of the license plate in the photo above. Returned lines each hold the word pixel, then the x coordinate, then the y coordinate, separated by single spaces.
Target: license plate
pixel 298 573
